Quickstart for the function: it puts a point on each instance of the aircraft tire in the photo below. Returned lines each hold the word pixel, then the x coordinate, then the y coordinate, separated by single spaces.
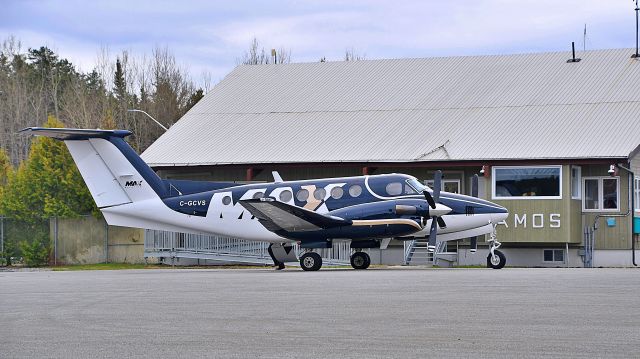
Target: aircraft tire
pixel 502 260
pixel 310 261
pixel 360 260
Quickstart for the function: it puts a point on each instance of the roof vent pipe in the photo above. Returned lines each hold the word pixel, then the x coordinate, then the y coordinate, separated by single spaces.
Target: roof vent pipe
pixel 573 53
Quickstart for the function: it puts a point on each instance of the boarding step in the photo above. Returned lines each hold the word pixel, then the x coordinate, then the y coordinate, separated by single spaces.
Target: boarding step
pixel 417 253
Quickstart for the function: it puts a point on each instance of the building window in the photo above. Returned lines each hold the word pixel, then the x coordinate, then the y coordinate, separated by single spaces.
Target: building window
pixel 447 185
pixel 542 182
pixel 553 255
pixel 576 182
pixel 600 194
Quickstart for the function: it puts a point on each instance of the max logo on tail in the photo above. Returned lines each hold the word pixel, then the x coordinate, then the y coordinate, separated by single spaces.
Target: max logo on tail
pixel 133 183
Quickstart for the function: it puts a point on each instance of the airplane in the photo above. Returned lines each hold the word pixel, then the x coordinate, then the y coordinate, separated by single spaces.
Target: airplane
pixel 367 210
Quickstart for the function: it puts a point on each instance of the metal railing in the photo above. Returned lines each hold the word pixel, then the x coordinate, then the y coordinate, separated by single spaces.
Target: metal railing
pixel 187 245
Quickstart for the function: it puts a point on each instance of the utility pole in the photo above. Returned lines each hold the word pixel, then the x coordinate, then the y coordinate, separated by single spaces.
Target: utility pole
pixel 636 54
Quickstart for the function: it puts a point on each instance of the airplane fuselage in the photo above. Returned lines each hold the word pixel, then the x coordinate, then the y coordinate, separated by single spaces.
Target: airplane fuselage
pixel 370 201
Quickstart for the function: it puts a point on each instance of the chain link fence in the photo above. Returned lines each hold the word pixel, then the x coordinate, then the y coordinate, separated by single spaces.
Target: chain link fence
pixel 25 242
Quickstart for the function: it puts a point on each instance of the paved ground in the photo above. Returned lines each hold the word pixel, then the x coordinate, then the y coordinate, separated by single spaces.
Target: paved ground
pixel 384 313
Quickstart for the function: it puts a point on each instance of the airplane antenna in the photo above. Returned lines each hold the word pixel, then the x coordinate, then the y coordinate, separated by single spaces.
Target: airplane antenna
pixel 636 9
pixel 584 39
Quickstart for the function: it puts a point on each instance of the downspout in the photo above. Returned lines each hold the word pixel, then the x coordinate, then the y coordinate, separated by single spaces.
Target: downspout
pixel 633 208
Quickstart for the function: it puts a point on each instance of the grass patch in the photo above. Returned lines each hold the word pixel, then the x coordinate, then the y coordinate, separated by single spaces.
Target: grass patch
pixel 105 266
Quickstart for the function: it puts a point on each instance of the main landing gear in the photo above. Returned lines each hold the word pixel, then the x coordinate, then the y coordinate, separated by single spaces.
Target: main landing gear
pixel 360 260
pixel 310 261
pixel 496 258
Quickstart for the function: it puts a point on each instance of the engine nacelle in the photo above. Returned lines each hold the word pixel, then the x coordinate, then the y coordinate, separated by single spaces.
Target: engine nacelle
pixel 382 209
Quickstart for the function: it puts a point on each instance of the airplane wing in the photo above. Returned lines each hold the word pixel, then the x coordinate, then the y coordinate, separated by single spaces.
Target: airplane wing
pixel 276 216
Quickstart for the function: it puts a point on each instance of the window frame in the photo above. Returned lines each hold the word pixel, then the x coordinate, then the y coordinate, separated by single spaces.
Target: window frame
pixel 579 176
pixel 528 198
pixel 553 255
pixel 636 193
pixel 458 182
pixel 600 180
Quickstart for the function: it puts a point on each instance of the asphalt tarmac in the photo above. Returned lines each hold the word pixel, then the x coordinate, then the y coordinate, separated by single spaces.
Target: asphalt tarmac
pixel 379 313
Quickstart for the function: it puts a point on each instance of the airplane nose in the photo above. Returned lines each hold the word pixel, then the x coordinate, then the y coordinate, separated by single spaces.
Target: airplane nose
pixel 499 215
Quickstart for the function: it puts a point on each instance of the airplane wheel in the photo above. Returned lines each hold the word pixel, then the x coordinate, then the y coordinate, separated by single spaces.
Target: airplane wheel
pixel 498 262
pixel 360 260
pixel 311 261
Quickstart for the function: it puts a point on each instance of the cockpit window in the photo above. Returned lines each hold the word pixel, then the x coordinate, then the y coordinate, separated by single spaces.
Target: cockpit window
pixel 416 185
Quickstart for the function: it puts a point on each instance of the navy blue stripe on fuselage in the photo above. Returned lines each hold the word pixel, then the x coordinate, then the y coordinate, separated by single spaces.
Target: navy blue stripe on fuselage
pixel 373 189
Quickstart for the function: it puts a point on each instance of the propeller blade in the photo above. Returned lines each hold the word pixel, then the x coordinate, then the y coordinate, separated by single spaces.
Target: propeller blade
pixel 437 185
pixel 441 222
pixel 429 199
pixel 474 186
pixel 432 234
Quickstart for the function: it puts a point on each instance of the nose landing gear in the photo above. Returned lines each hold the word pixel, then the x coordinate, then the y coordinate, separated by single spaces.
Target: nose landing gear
pixel 496 259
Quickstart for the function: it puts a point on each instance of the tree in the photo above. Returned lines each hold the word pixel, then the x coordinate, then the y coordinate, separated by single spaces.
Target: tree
pixel 194 98
pixel 119 83
pixel 47 184
pixel 256 55
pixel 352 55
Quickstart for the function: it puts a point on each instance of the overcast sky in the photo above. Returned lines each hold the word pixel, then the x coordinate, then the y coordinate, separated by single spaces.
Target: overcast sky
pixel 210 35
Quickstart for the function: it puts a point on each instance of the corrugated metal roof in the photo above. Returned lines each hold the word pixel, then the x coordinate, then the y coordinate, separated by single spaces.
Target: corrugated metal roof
pixel 528 106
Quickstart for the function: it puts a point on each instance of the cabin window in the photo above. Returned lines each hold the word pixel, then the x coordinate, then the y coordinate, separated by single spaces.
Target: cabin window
pixel 285 196
pixel 226 200
pixel 302 195
pixel 337 192
pixel 258 195
pixel 319 194
pixel 355 190
pixel 553 255
pixel 543 182
pixel 601 194
pixel 394 188
pixel 576 182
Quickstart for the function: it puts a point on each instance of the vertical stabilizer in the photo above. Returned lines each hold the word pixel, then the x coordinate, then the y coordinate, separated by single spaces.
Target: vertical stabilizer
pixel 113 172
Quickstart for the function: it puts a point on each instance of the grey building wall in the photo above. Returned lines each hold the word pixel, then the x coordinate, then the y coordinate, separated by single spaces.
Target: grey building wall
pixel 87 240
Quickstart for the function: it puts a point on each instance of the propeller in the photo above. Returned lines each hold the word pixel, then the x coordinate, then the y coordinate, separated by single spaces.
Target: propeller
pixel 437 209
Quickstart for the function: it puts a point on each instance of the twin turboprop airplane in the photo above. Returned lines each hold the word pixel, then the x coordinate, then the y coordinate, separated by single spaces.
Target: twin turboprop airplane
pixel 366 210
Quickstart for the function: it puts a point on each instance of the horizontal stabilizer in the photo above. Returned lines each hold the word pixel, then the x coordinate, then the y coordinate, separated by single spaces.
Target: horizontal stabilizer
pixel 277 216
pixel 66 134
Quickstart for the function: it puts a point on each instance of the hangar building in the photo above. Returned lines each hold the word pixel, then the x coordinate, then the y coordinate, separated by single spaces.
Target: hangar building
pixel 543 129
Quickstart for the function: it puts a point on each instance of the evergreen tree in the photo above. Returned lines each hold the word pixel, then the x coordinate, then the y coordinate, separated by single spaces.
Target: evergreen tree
pixel 119 83
pixel 193 99
pixel 47 184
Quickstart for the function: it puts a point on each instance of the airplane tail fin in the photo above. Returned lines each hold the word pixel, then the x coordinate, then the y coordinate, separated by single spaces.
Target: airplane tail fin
pixel 112 170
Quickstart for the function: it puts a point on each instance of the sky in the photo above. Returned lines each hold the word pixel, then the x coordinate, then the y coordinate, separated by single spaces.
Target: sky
pixel 209 36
